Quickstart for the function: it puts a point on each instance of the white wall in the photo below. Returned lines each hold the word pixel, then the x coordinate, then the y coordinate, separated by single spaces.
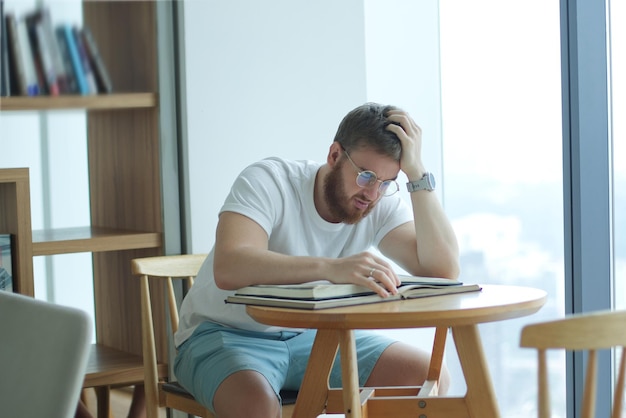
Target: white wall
pixel 263 78
pixel 276 77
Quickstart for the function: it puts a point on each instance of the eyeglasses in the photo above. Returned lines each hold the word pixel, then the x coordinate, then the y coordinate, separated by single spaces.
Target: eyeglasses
pixel 368 178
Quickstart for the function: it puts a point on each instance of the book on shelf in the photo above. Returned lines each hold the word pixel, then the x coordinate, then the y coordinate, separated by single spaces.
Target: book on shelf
pixel 41 54
pixel 66 34
pixel 24 79
pixel 320 295
pixel 13 65
pixel 38 57
pixel 6 262
pixel 5 81
pixel 103 81
pixel 66 58
pixel 52 48
pixel 33 86
pixel 84 59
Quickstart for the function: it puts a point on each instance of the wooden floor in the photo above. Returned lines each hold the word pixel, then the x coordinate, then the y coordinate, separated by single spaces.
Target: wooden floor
pixel 120 402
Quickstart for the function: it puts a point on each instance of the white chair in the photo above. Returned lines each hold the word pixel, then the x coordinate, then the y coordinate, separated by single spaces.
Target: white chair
pixel 44 349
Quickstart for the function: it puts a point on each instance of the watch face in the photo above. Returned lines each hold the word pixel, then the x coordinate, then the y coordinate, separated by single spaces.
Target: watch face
pixel 431 181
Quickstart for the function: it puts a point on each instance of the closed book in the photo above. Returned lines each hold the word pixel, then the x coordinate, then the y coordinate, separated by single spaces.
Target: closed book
pixel 84 59
pixel 22 44
pixel 52 47
pixel 404 293
pixel 5 75
pixel 103 81
pixel 15 76
pixel 70 76
pixel 67 33
pixel 38 56
pixel 47 62
pixel 42 50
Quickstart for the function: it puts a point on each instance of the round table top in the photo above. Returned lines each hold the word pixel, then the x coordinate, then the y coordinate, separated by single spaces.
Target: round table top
pixel 492 303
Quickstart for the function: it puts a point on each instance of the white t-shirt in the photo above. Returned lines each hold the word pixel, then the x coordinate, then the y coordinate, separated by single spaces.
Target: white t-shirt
pixel 278 195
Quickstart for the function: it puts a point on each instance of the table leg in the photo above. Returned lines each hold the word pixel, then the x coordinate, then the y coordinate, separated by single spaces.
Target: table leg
pixel 431 385
pixel 349 374
pixel 313 392
pixel 480 397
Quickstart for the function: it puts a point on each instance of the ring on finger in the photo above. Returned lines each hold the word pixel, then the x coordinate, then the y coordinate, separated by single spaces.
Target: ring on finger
pixel 372 271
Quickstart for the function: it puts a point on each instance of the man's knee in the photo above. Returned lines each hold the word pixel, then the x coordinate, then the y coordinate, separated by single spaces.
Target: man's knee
pixel 246 394
pixel 401 365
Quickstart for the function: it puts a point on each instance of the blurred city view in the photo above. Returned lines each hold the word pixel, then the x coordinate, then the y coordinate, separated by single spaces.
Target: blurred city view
pixel 502 154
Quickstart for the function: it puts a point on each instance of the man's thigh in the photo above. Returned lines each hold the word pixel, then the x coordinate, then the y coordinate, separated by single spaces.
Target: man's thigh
pixel 213 353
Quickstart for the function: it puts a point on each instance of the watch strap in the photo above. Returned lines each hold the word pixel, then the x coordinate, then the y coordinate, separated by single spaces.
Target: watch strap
pixel 425 183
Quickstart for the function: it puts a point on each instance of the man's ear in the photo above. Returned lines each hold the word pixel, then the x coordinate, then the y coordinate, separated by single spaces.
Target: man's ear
pixel 334 154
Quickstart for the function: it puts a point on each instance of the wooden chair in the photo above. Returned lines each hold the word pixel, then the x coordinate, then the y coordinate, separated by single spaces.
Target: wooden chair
pixel 171 394
pixel 588 332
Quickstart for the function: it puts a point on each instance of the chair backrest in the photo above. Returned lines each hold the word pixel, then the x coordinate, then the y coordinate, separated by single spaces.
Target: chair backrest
pixel 584 332
pixel 166 268
pixel 44 349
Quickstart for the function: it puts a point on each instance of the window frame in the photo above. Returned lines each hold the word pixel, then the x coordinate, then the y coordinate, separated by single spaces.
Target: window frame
pixel 587 181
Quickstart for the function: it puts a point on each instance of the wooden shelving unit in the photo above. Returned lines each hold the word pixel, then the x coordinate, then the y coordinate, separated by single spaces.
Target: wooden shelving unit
pixel 15 220
pixel 125 189
pixel 106 102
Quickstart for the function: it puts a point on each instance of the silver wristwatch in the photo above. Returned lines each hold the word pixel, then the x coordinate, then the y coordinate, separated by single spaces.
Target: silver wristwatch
pixel 427 182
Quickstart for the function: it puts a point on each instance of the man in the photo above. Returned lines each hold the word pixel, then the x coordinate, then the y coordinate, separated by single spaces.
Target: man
pixel 299 221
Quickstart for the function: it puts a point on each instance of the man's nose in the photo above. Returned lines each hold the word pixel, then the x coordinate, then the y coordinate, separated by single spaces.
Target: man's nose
pixel 372 191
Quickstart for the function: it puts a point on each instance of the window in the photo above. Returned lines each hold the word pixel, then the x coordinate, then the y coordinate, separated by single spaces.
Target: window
pixel 617 66
pixel 617 56
pixel 502 157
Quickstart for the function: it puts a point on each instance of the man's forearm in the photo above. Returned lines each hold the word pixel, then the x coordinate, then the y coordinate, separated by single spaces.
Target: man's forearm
pixel 437 250
pixel 248 266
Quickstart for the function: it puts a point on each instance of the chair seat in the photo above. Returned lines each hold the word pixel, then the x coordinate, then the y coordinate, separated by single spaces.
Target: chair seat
pixel 175 388
pixel 288 396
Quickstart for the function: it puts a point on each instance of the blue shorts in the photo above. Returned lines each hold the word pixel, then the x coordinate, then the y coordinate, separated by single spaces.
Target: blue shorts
pixel 214 352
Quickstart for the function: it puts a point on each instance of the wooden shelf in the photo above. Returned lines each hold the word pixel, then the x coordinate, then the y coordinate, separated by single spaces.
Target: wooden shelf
pixel 15 220
pixel 91 239
pixel 108 366
pixel 125 190
pixel 93 102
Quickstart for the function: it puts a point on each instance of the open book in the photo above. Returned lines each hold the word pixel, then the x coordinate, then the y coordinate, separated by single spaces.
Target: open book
pixel 320 295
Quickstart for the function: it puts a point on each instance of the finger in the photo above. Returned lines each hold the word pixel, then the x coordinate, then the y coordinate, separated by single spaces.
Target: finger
pixel 407 123
pixel 382 273
pixel 382 278
pixel 398 130
pixel 388 269
pixel 373 284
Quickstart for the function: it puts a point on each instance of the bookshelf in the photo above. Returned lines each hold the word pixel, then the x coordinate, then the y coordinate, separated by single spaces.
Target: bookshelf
pixel 126 188
pixel 102 101
pixel 15 220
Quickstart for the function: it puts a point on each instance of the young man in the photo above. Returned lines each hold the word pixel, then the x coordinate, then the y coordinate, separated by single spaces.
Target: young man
pixel 300 221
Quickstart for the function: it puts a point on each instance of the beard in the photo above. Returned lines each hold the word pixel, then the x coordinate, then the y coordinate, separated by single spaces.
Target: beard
pixel 339 203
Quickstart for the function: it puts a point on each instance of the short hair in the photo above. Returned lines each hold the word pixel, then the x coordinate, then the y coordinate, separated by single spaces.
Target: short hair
pixel 365 127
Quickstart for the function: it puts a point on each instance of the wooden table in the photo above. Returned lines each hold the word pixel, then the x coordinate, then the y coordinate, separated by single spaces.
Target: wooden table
pixel 459 312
